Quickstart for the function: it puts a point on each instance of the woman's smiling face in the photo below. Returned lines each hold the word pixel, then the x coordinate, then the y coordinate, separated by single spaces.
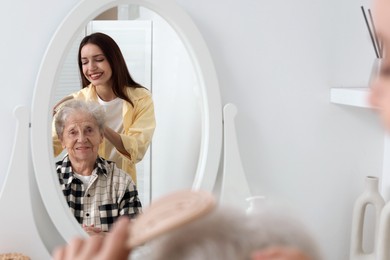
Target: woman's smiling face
pixel 81 138
pixel 96 67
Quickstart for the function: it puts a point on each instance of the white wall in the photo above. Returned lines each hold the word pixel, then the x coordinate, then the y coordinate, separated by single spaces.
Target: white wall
pixel 26 29
pixel 276 60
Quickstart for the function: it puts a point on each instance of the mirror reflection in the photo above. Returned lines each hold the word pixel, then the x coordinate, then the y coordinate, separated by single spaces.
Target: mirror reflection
pixel 157 60
pixel 130 120
pixel 96 190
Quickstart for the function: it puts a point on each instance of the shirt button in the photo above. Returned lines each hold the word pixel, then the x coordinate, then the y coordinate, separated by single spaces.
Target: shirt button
pixel 88 195
pixel 87 214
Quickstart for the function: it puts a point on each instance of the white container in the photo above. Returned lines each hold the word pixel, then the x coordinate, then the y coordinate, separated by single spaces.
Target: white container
pixel 371 196
pixel 382 250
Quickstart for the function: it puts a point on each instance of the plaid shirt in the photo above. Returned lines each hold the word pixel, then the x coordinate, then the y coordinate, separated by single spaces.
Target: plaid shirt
pixel 110 193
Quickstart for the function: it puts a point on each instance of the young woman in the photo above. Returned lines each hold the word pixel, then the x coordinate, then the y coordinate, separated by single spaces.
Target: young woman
pixel 129 106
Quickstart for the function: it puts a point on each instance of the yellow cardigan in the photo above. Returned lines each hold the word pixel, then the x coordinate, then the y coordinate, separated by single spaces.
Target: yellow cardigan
pixel 138 127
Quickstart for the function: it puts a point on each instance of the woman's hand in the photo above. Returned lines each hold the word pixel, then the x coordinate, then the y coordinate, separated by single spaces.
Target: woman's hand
pixel 58 106
pixel 116 140
pixel 112 246
pixel 280 253
pixel 92 230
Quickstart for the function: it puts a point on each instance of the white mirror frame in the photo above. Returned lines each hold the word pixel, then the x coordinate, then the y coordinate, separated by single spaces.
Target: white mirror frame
pixel 41 146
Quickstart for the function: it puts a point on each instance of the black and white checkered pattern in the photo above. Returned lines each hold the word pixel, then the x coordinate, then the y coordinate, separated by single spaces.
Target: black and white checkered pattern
pixel 111 193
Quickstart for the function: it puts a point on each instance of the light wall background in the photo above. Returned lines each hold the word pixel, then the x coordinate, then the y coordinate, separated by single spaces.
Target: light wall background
pixel 276 60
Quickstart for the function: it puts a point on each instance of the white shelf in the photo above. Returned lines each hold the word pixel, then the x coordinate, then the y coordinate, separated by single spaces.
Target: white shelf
pixel 351 96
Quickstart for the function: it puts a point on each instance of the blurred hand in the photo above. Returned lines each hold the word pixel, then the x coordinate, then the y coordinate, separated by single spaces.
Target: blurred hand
pixel 109 247
pixel 280 253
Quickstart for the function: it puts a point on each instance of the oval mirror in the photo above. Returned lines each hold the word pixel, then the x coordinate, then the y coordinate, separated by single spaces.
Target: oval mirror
pixel 48 77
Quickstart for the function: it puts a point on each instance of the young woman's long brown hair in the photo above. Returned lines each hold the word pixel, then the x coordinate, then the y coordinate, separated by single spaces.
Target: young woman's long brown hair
pixel 120 74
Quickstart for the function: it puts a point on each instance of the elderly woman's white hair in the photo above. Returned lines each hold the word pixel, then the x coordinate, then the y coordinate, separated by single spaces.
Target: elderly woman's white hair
pixel 231 234
pixel 76 106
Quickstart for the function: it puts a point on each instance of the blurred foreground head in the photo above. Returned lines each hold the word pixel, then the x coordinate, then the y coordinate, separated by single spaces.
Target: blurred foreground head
pixel 380 85
pixel 230 234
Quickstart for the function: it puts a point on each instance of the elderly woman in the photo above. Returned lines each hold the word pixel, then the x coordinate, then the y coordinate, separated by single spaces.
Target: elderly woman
pixel 96 190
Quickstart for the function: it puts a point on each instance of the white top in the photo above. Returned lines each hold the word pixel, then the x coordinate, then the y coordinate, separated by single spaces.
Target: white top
pixel 114 121
pixel 86 179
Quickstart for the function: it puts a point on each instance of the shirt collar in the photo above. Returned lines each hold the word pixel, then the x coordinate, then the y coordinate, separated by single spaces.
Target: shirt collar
pixel 64 167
